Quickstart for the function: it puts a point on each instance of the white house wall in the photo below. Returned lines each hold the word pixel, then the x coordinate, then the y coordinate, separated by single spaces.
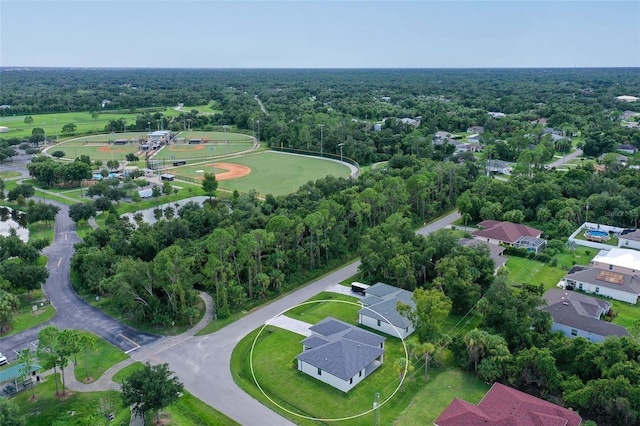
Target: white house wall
pixel 606 292
pixel 580 333
pixel 487 240
pixel 614 268
pixel 624 243
pixel 330 379
pixel 384 326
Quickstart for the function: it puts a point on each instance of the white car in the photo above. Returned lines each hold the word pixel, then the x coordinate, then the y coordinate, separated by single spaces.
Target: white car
pixel 3 359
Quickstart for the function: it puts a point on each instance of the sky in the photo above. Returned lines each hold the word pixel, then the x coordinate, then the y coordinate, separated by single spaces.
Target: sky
pixel 319 34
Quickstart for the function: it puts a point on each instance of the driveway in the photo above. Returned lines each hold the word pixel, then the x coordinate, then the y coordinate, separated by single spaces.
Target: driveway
pixel 566 159
pixel 202 362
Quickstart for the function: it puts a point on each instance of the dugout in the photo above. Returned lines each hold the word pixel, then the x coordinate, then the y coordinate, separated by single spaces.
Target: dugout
pixel 120 142
pixel 195 141
pixel 168 176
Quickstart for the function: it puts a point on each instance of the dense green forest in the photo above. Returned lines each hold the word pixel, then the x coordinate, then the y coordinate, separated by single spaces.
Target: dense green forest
pixel 348 103
pixel 245 251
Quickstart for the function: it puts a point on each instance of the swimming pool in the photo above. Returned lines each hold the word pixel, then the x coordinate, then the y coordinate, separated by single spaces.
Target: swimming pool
pixel 599 234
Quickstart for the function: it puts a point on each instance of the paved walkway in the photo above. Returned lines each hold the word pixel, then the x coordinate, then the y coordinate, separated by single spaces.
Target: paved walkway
pixel 297 326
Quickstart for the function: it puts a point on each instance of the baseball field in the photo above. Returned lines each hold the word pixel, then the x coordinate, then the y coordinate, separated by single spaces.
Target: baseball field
pixel 266 172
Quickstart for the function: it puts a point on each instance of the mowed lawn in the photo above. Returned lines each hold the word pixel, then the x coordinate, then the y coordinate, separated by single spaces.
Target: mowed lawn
pixel 523 270
pixel 208 150
pixel 277 174
pixel 437 394
pixel 275 369
pixel 327 304
pixel 217 136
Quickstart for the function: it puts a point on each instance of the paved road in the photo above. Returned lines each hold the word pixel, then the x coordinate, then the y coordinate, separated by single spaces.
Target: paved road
pixel 566 159
pixel 202 362
pixel 71 311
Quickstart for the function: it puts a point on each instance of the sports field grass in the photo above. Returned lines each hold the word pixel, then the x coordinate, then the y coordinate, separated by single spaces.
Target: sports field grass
pixel 273 173
pixel 186 151
pixel 216 136
pixel 96 152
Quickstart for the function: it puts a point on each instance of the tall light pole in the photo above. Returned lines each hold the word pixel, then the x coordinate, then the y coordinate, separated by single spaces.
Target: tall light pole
pixel 55 124
pixel 149 126
pixel 258 121
pixel 226 147
pixel 189 121
pixel 341 145
pixel 321 138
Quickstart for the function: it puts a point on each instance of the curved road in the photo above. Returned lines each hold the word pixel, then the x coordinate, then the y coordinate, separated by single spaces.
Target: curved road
pixel 202 362
pixel 71 310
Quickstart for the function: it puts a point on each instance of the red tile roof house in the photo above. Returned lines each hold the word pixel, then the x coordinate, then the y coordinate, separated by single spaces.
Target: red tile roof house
pixel 505 406
pixel 513 234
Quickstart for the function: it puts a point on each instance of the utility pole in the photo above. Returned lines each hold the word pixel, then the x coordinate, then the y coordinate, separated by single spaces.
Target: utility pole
pixel 321 139
pixel 226 147
pixel 376 405
pixel 258 121
pixel 341 145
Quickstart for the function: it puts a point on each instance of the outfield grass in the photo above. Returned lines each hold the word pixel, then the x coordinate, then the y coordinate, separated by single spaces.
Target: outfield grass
pixel 275 173
pixel 78 408
pixel 217 136
pixel 97 152
pixel 99 360
pixel 204 151
pixel 444 385
pixel 313 313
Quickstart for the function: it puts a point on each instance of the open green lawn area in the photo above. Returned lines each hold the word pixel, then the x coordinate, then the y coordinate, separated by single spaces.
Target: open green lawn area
pixel 25 317
pixel 204 151
pixel 76 409
pixel 327 304
pixel 9 175
pixel 443 386
pixel 41 231
pixel 97 152
pixel 126 371
pixel 50 122
pixel 523 270
pixel 276 173
pixel 273 360
pixel 190 411
pixel 99 360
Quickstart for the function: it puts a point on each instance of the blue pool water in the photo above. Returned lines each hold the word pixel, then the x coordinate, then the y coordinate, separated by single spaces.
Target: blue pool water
pixel 98 176
pixel 598 233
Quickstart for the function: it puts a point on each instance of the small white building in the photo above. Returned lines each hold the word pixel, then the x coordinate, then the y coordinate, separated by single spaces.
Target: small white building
pixel 340 354
pixel 630 240
pixel 626 98
pixel 380 313
pixel 4 129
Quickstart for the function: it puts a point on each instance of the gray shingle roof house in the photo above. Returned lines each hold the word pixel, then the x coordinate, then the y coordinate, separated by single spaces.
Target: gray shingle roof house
pixel 576 314
pixel 619 286
pixel 380 313
pixel 340 354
